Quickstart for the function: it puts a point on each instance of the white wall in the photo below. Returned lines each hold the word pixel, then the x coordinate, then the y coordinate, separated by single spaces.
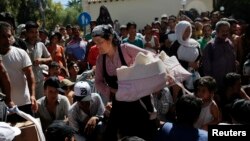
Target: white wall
pixel 143 11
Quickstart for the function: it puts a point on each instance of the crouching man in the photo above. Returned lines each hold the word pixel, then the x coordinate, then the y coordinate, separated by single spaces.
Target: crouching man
pixel 86 114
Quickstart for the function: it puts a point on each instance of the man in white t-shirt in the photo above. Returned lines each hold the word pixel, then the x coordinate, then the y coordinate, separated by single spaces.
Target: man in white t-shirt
pixel 19 68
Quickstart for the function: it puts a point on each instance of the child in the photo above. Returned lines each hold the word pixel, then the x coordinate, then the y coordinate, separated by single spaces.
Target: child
pixel 205 88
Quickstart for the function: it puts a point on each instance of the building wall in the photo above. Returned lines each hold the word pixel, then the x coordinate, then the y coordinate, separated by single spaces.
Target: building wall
pixel 142 11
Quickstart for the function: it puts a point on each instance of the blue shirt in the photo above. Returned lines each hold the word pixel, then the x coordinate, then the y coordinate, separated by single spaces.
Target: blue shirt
pixel 175 132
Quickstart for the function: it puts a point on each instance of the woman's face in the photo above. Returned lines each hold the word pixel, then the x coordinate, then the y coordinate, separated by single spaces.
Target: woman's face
pixel 186 34
pixel 103 45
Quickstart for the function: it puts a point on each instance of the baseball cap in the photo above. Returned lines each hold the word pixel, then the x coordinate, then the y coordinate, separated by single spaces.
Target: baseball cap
pixel 66 82
pixel 82 91
pixel 7 132
pixel 59 130
pixel 53 81
pixel 45 68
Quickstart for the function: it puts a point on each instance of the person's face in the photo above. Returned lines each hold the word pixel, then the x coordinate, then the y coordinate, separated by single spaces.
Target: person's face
pixel 148 30
pixel 5 39
pixel 132 31
pixel 32 35
pixel 223 32
pixel 76 32
pixel 204 94
pixel 51 93
pixel 54 40
pixel 42 36
pixel 186 34
pixel 237 86
pixel 55 71
pixel 207 31
pixel 74 70
pixel 103 45
pixel 84 105
pixel 171 23
pixel 69 31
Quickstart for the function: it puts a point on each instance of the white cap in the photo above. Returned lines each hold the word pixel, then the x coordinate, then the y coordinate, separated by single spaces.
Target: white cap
pixel 7 132
pixel 82 90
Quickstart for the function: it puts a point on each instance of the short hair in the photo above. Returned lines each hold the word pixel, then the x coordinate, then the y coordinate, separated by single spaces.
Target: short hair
pixel 58 131
pixel 188 109
pixel 231 78
pixel 31 24
pixel 4 26
pixel 206 81
pixel 240 111
pixel 129 24
pixel 219 24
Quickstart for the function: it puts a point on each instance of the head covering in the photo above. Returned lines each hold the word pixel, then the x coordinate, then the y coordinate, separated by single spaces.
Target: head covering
pixel 7 132
pixel 179 31
pixel 59 130
pixel 102 30
pixel 189 49
pixel 45 68
pixel 53 81
pixel 82 91
pixel 67 83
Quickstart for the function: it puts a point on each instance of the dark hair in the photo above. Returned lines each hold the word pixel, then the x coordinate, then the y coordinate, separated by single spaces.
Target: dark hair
pixel 71 64
pixel 7 17
pixel 4 26
pixel 57 34
pixel 58 131
pixel 206 81
pixel 31 24
pixel 52 81
pixel 68 26
pixel 129 24
pixel 240 111
pixel 231 78
pixel 188 109
pixel 53 64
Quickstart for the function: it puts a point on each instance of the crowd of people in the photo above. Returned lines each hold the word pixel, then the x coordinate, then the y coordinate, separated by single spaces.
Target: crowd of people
pixel 70 81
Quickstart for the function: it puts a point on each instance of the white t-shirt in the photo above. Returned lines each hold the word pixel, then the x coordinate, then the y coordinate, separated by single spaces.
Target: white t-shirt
pixel 14 61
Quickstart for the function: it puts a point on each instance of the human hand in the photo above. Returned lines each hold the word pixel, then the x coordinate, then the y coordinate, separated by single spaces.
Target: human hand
pixel 34 105
pixel 91 124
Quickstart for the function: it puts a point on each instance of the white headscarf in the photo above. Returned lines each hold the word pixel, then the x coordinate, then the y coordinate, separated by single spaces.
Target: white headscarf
pixel 179 31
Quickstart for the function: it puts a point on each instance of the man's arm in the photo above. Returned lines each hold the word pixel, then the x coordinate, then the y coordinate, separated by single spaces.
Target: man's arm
pixel 31 84
pixel 5 83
